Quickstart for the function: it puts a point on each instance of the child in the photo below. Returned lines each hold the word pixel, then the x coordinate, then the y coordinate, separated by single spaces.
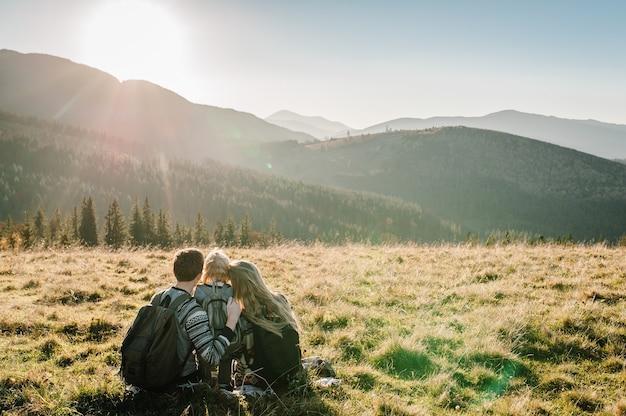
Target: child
pixel 215 279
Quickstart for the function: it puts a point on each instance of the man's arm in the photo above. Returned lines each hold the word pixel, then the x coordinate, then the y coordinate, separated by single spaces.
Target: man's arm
pixel 196 323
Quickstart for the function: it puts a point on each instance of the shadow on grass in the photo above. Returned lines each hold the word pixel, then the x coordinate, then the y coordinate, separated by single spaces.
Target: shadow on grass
pixel 568 343
pixel 12 393
pixel 202 400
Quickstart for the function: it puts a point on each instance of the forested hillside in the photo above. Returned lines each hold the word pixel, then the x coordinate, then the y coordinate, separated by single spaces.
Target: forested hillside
pixel 45 164
pixel 481 179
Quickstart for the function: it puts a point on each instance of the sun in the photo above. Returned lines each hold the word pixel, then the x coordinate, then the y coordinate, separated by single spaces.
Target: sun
pixel 134 39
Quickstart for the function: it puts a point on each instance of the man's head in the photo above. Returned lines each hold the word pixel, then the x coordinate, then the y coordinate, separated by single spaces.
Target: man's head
pixel 188 264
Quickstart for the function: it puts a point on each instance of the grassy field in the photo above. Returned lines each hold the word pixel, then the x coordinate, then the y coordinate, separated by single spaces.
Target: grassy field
pixel 409 329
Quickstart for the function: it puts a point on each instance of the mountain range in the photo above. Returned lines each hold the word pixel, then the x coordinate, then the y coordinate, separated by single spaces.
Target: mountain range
pixel 589 136
pixel 476 179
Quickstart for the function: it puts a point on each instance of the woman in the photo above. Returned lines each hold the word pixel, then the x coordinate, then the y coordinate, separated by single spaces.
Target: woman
pixel 276 329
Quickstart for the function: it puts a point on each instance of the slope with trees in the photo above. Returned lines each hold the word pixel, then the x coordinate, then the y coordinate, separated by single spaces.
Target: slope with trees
pixel 481 179
pixel 58 170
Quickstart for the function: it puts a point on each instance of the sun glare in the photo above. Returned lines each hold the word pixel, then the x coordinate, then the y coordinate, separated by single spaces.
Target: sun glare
pixel 134 39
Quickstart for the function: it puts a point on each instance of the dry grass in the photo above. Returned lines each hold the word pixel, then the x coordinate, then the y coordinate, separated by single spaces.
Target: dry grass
pixel 410 329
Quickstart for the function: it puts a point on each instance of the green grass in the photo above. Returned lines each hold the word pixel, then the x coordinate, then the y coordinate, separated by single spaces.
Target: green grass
pixel 409 329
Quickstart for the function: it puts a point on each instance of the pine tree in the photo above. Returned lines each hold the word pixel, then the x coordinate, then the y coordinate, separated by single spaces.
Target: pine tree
pixel 188 237
pixel 149 227
pixel 230 233
pixel 88 229
pixel 218 232
pixel 164 235
pixel 275 237
pixel 200 234
pixel 114 226
pixel 75 225
pixel 135 228
pixel 54 226
pixel 66 234
pixel 27 231
pixel 39 224
pixel 245 231
pixel 9 232
pixel 178 239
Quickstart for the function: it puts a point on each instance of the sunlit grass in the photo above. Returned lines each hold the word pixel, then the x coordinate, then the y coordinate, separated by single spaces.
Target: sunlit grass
pixel 409 329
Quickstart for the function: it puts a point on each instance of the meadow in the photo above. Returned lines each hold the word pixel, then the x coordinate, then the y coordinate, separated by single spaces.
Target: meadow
pixel 409 329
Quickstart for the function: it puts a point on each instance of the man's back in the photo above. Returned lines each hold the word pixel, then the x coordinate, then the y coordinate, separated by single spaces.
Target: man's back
pixel 197 334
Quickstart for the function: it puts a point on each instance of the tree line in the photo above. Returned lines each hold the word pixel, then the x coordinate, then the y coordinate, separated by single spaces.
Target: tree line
pixel 143 228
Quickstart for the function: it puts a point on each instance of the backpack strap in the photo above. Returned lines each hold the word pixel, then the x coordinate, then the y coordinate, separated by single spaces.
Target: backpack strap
pixel 179 301
pixel 174 306
pixel 215 289
pixel 158 300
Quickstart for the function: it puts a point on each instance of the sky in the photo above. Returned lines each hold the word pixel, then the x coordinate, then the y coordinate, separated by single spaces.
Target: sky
pixel 357 62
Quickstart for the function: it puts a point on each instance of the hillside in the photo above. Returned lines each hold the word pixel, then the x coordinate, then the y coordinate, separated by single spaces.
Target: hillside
pixel 49 87
pixel 589 136
pixel 55 166
pixel 483 180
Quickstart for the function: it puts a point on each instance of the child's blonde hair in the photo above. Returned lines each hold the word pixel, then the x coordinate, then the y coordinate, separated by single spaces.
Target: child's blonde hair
pixel 215 267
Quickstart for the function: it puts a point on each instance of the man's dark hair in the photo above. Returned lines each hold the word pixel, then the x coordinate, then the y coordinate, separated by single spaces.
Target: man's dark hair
pixel 188 264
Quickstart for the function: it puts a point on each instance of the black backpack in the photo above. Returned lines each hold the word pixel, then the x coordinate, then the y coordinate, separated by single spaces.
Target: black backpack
pixel 277 360
pixel 150 347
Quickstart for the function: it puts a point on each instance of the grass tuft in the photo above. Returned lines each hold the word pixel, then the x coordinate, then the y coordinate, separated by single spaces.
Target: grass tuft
pixel 404 363
pixel 100 330
pixel 363 380
pixel 31 284
pixel 585 401
pixel 12 392
pixel 72 297
pixel 49 347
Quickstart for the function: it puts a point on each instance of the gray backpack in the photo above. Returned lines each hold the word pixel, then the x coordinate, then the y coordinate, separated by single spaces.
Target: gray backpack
pixel 215 306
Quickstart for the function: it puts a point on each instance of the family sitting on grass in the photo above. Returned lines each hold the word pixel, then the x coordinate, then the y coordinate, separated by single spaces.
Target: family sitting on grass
pixel 226 328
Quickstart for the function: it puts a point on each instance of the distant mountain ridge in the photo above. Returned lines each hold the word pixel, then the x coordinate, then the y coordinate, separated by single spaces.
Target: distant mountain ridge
pixel 601 139
pixel 589 136
pixel 56 88
pixel 318 127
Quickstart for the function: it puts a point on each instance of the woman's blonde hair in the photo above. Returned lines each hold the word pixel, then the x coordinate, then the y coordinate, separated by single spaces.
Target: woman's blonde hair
pixel 257 300
pixel 216 265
